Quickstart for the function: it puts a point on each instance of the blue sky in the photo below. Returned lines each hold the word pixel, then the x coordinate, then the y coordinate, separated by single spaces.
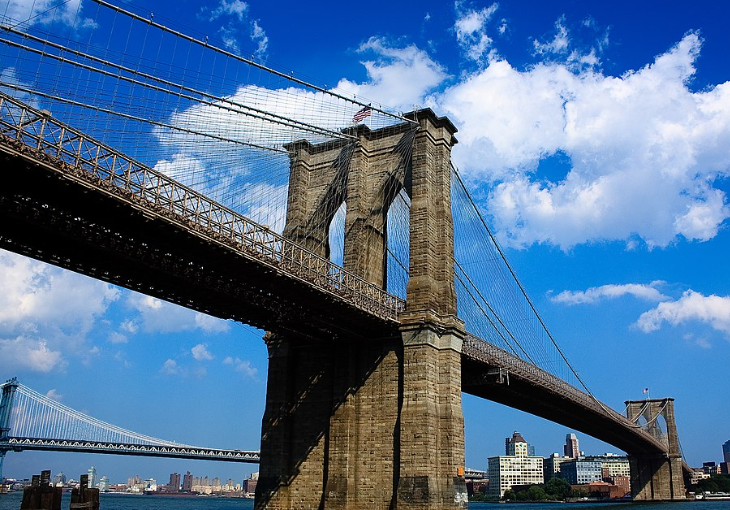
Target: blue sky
pixel 595 137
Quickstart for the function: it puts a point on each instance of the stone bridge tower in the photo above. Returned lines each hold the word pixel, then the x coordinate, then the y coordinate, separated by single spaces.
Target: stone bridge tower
pixel 656 477
pixel 374 423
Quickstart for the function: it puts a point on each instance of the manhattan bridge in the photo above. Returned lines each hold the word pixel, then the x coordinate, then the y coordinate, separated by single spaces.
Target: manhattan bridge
pixel 153 160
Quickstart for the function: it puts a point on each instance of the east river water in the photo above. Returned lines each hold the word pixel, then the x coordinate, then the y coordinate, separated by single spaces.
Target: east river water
pixel 129 502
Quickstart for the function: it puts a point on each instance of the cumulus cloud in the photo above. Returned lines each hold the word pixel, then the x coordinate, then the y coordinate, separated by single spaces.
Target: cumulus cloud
pixel 156 315
pixel 643 150
pixel 170 367
pixel 692 306
pixel 31 12
pixel 29 353
pixel 45 311
pixel 398 76
pixel 471 30
pixel 117 338
pixel 54 394
pixel 201 353
pixel 242 366
pixel 596 294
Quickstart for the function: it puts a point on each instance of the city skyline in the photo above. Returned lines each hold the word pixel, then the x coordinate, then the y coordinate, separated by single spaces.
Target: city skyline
pixel 618 230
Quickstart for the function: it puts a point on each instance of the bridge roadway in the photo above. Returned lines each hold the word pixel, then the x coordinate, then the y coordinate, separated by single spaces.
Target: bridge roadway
pixel 184 452
pixel 71 201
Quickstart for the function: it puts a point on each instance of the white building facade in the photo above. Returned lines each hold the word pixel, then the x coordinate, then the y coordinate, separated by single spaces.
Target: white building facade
pixel 516 468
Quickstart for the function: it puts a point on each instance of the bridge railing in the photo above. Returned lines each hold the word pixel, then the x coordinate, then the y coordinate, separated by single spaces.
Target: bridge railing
pixel 480 350
pixel 48 140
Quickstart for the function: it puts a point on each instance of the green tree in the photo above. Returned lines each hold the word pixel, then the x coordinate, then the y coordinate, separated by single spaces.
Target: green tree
pixel 578 493
pixel 557 488
pixel 716 483
pixel 536 493
pixel 509 495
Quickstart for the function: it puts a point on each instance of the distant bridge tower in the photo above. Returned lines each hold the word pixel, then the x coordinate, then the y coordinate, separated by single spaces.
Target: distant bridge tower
pixel 358 422
pixel 6 406
pixel 659 476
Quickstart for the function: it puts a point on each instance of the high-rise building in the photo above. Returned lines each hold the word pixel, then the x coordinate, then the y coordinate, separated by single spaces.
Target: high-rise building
pixel 187 482
pixel 104 484
pixel 93 480
pixel 726 451
pixel 571 448
pixel 249 485
pixel 518 467
pixel 174 485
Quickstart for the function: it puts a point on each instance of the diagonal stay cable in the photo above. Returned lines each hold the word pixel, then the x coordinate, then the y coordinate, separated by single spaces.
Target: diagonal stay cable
pixel 522 289
pixel 141 119
pixel 215 100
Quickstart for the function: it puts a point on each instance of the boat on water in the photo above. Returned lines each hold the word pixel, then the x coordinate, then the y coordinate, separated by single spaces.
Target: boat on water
pixel 714 496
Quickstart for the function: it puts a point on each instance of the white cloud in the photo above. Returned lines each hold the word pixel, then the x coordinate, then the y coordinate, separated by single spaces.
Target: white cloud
pixel 228 32
pixel 31 12
pixel 596 294
pixel 234 8
pixel 53 394
pixel 211 324
pixel 559 43
pixel 398 77
pixel 129 326
pixel 643 150
pixel 170 367
pixel 692 306
pixel 156 315
pixel 242 366
pixel 258 35
pixel 28 353
pixel 34 292
pixel 46 311
pixel 117 338
pixel 200 352
pixel 471 30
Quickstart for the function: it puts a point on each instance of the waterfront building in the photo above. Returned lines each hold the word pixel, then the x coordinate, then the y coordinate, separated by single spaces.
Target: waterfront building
pixel 93 480
pixel 104 484
pixel 581 471
pixel 249 485
pixel 726 451
pixel 551 466
pixel 518 467
pixel 150 485
pixel 696 475
pixel 711 468
pixel 571 448
pixel 612 465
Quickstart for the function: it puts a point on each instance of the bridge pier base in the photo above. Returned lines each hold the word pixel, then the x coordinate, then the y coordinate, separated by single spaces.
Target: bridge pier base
pixel 330 425
pixel 357 425
pixel 432 423
pixel 656 478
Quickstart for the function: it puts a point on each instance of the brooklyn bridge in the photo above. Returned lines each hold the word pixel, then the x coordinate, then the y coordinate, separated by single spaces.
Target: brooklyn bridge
pixel 211 181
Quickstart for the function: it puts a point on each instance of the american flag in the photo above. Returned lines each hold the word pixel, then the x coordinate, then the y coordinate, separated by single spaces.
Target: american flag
pixel 361 115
